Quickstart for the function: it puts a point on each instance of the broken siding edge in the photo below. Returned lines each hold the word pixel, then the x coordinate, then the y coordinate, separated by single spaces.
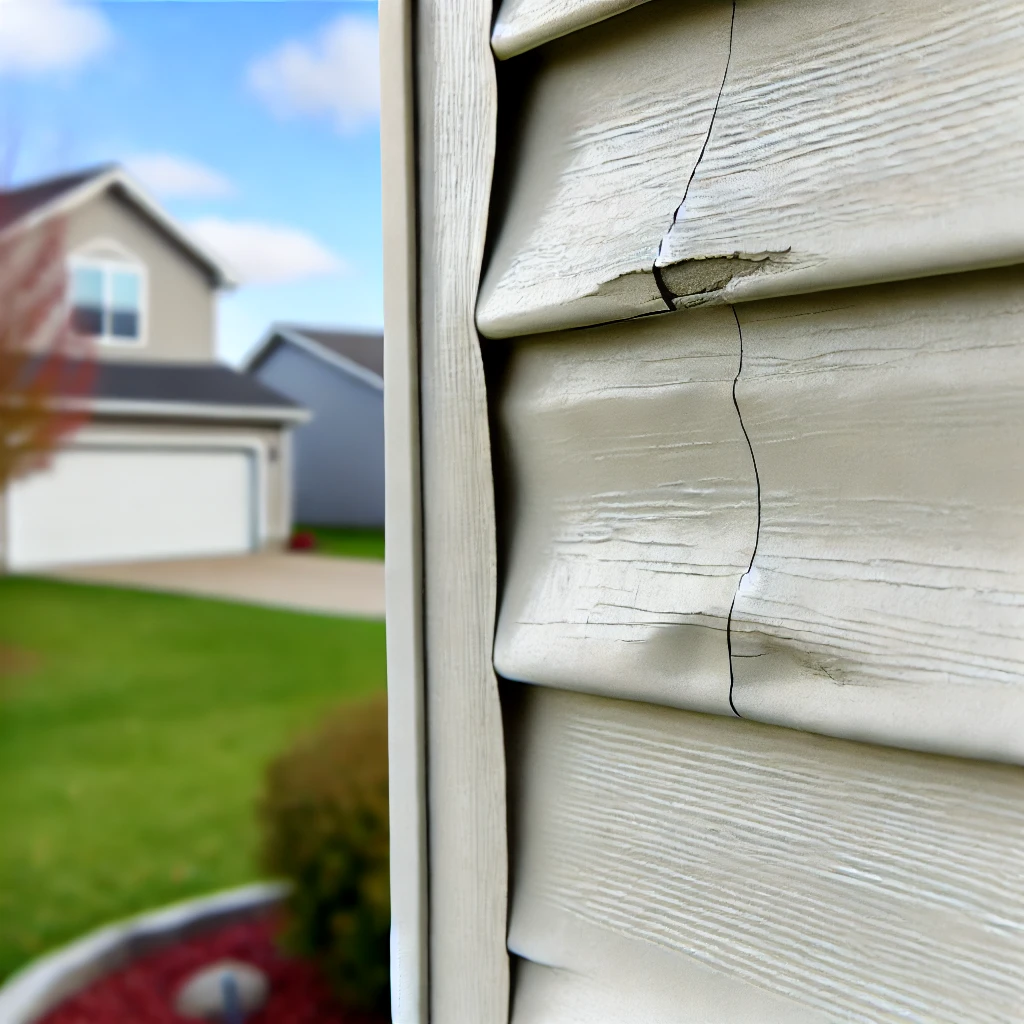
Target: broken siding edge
pixel 752 285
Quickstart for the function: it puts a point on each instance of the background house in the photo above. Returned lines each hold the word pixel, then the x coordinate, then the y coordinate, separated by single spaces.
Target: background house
pixel 181 455
pixel 339 453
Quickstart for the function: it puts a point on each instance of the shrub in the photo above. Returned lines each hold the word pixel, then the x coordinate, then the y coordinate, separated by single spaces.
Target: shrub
pixel 325 827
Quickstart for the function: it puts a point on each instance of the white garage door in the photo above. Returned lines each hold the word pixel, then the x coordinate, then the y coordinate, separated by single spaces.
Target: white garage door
pixel 107 505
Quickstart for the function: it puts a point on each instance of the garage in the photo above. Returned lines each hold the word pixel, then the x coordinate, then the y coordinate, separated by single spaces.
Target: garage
pixel 107 504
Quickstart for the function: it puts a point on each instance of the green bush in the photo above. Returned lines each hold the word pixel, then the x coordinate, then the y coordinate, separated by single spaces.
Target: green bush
pixel 325 826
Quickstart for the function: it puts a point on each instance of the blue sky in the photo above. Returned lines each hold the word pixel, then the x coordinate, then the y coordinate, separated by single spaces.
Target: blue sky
pixel 254 122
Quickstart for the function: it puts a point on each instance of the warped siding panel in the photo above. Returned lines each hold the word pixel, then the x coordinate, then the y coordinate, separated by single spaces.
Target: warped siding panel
pixel 685 867
pixel 524 24
pixel 884 601
pixel 869 474
pixel 616 120
pixel 633 509
pixel 852 143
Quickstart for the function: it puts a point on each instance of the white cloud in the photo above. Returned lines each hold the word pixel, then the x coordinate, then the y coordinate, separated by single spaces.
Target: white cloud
pixel 40 36
pixel 174 176
pixel 337 74
pixel 266 253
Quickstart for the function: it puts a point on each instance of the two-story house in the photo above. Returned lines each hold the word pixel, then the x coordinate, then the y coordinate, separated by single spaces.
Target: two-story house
pixel 180 455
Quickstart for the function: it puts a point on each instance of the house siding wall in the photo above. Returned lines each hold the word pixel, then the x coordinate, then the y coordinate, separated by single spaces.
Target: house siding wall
pixel 339 454
pixel 179 317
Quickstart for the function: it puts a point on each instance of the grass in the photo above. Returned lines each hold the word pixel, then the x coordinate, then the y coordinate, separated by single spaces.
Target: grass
pixel 347 542
pixel 134 729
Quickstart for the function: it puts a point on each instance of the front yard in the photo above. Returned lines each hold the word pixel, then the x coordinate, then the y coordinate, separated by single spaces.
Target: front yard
pixel 134 728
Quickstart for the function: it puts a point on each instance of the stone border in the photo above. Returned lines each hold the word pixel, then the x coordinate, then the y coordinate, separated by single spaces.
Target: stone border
pixel 37 989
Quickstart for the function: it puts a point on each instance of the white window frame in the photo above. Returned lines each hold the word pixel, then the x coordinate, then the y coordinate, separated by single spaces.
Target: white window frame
pixel 82 258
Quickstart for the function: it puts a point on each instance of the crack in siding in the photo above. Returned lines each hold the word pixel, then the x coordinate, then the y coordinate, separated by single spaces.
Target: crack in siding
pixel 666 293
pixel 757 529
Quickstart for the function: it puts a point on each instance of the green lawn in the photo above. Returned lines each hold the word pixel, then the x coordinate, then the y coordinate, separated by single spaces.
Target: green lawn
pixel 134 729
pixel 350 543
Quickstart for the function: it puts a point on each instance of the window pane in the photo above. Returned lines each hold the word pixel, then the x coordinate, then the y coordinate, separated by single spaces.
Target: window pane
pixel 87 320
pixel 125 291
pixel 87 287
pixel 124 324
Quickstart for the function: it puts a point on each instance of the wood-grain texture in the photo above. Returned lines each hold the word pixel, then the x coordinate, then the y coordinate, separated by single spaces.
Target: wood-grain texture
pixel 456 105
pixel 524 24
pixel 860 142
pixel 671 866
pixel 632 512
pixel 852 143
pixel 616 120
pixel 858 452
pixel 885 598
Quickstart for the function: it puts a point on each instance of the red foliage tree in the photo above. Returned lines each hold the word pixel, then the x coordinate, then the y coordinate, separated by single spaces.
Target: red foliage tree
pixel 46 368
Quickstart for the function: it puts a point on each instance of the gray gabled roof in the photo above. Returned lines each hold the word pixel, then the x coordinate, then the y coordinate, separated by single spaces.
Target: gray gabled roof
pixel 24 207
pixel 16 203
pixel 365 349
pixel 361 352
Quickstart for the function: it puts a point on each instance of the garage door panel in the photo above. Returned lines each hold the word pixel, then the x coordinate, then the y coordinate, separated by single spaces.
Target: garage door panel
pixel 99 505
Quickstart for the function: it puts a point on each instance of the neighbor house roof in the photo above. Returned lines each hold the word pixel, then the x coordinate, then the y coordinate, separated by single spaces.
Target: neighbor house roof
pixel 33 204
pixel 360 354
pixel 201 391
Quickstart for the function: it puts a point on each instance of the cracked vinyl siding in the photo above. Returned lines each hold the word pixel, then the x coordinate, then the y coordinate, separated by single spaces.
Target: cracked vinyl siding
pixel 806 511
pixel 632 509
pixel 671 866
pixel 602 166
pixel 760 561
pixel 851 144
pixel 885 598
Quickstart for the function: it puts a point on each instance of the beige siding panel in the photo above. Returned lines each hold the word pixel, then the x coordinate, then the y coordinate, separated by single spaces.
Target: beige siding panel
pixel 884 600
pixel 179 317
pixel 524 24
pixel 852 143
pixel 633 509
pixel 616 120
pixel 671 866
pixel 858 142
pixel 468 857
pixel 865 466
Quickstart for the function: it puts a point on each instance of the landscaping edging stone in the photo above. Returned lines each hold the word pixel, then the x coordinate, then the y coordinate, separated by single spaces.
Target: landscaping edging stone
pixel 41 986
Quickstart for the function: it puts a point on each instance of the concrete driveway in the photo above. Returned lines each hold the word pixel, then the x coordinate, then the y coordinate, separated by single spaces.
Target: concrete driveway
pixel 303 582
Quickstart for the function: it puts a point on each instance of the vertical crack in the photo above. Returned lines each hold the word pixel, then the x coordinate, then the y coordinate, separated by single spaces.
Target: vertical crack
pixel 666 293
pixel 757 529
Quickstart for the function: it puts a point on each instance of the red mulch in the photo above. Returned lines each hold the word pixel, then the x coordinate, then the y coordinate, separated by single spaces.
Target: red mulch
pixel 143 992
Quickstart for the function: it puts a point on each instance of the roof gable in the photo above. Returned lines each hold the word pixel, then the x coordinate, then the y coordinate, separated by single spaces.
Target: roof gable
pixel 360 353
pixel 26 207
pixel 366 350
pixel 16 203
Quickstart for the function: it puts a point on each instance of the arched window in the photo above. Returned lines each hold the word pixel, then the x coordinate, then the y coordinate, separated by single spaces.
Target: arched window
pixel 108 293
